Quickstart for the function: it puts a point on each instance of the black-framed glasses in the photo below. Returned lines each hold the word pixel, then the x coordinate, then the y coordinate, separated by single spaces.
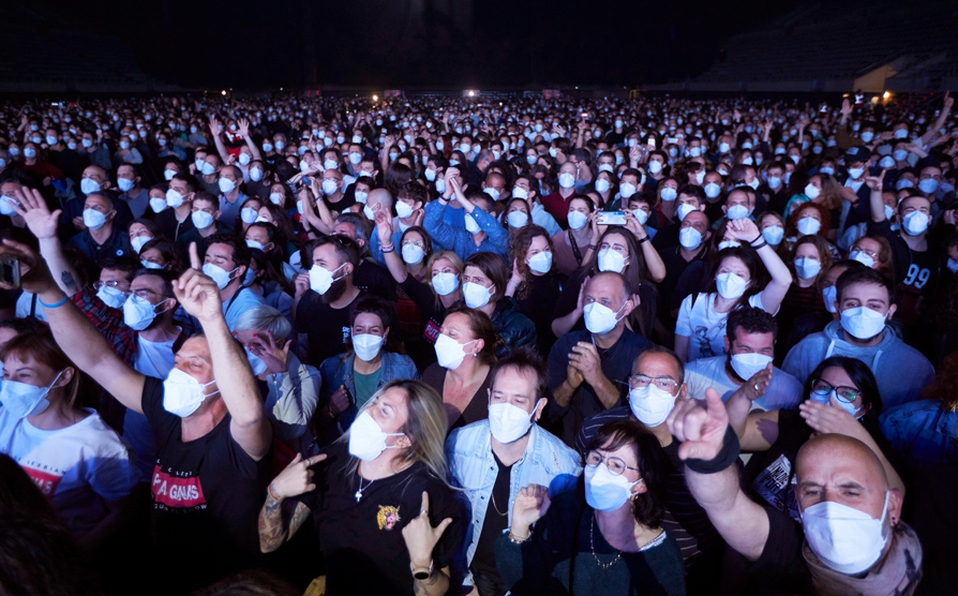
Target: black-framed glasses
pixel 845 394
pixel 664 383
pixel 615 465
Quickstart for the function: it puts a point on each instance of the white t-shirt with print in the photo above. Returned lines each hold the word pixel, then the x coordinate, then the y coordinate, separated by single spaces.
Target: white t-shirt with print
pixel 704 327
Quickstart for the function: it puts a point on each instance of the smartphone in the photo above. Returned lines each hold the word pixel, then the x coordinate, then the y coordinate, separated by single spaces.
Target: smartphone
pixel 651 142
pixel 672 140
pixel 611 218
pixel 584 115
pixel 306 180
pixel 10 272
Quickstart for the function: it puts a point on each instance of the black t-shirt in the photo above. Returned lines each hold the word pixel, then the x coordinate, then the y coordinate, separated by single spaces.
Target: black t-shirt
pixel 543 290
pixel 206 496
pixel 478 407
pixel 769 474
pixel 496 520
pixel 376 280
pixel 362 542
pixel 781 567
pixel 327 328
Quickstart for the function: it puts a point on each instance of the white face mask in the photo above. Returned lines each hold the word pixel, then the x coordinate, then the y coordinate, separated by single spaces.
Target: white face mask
pixel 88 185
pixel 863 258
pixel 625 191
pixel 182 394
pixel 445 283
pixel 367 346
pixel 201 219
pixel 226 185
pixel 915 223
pixel 812 191
pixel 449 352
pixel 808 226
pixel 650 404
pixel 138 242
pixel 138 313
pixel 475 295
pixel 173 198
pixel 829 296
pixel 367 439
pixel 746 365
pixel 600 319
pixel 807 268
pixel 248 215
pixel 773 235
pixel 124 184
pixel 112 297
pixel 738 212
pixel 330 186
pixel 862 322
pixel 730 286
pixel 605 491
pixel 541 262
pixel 611 260
pixel 566 180
pixel 321 279
pixel 22 400
pixel 471 225
pixel 684 209
pixel 690 238
pixel 412 254
pixel 508 423
pixel 669 194
pixel 403 209
pixel 517 219
pixel 220 276
pixel 847 540
pixel 93 219
pixel 712 190
pixel 276 198
pixel 577 219
pixel 257 364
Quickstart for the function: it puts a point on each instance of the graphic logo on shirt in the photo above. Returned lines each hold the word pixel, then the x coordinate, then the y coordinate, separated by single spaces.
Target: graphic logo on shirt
pixel 432 331
pixel 175 492
pixel 45 481
pixel 388 517
pixel 346 332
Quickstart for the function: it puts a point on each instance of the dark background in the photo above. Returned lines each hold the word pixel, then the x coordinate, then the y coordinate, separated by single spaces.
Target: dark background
pixel 261 44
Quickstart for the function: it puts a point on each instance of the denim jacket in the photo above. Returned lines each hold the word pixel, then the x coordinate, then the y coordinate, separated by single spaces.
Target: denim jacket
pixel 546 461
pixel 338 370
pixel 922 433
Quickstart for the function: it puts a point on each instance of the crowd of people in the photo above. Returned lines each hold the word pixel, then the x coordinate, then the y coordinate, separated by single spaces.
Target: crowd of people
pixel 643 346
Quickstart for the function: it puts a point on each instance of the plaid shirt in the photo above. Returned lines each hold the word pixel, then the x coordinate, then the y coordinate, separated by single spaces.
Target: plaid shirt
pixel 109 322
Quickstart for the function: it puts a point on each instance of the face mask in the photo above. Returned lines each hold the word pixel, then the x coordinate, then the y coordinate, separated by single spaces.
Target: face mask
pixel 276 198
pixel 915 223
pixel 807 268
pixel 577 219
pixel 201 219
pixel 112 297
pixel 829 296
pixel 150 264
pixel 87 143
pixel 6 206
pixel 867 136
pixel 93 219
pixel 449 352
pixel 809 226
pixel 566 180
pixel 738 212
pixel 862 322
pixel 124 184
pixel 928 185
pixel 626 190
pixel 445 283
pixel 508 423
pixel 856 173
pixel 730 286
pixel 774 182
pixel 440 186
pixel 330 186
pixel 248 215
pixel 138 242
pixel 600 319
pixel 280 145
pixel 610 260
pixel 257 364
pixel 226 185
pixel 331 164
pixel 684 209
pixel 669 194
pixel 728 244
pixel 541 262
pixel 520 193
pixel 256 245
pixel 30 153
pixel 746 365
pixel 207 169
pixel 712 190
pixel 828 170
pixel 471 225
pixel 530 159
pixel 605 491
pixel 812 191
pixel 475 295
pixel 22 400
pixel 655 167
pixel 89 185
pixel 904 183
pixel 602 185
pixel 367 346
pixel 901 133
pixel 690 238
pixel 366 438
pixel 650 404
pixel 952 265
pixel 517 219
pixel 173 199
pixel 138 313
pixel 182 394
pixel 700 177
pixel 861 257
pixel 321 279
pixel 847 540
pixel 773 235
pixel 220 276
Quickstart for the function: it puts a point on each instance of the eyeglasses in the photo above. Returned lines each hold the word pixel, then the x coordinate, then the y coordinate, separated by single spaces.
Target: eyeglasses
pixel 615 465
pixel 110 283
pixel 845 394
pixel 664 383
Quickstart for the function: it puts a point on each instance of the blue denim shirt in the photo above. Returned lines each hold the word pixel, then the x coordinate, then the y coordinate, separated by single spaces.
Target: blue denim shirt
pixel 546 461
pixel 922 433
pixel 338 370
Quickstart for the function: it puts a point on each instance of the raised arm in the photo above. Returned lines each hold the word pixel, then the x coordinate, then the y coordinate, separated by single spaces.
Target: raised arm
pixel 218 140
pixel 316 212
pixel 243 129
pixel 201 298
pixel 876 203
pixel 384 228
pixel 653 261
pixel 942 118
pixel 706 443
pixel 740 402
pixel 745 230
pixel 276 521
pixel 43 224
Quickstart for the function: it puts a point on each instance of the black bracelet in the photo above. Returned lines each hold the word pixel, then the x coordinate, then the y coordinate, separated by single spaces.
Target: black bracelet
pixel 642 240
pixel 725 458
pixel 761 242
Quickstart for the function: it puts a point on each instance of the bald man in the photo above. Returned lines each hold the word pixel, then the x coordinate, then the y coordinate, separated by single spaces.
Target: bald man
pixel 852 539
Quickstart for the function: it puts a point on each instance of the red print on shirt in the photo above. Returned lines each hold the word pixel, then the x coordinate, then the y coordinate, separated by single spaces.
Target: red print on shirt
pixel 176 492
pixel 46 482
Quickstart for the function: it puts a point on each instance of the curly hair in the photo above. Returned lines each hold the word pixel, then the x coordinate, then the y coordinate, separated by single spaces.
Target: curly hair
pixel 518 247
pixel 824 214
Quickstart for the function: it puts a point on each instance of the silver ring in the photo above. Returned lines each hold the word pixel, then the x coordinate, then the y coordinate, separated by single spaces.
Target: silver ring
pixel 756 386
pixel 421 511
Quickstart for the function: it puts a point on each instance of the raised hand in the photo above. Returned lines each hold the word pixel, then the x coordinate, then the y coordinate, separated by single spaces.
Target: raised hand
pixel 531 504
pixel 214 126
pixel 34 275
pixel 34 211
pixel 198 294
pixel 700 430
pixel 742 229
pixel 420 537
pixel 242 127
pixel 296 478
pixel 830 418
pixel 274 353
pixel 875 182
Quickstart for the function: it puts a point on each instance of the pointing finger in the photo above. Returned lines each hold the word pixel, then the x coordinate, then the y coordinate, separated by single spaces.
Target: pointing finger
pixel 195 257
pixel 425 502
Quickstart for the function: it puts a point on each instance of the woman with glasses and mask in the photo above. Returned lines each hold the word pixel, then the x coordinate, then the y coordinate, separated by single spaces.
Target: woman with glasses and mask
pixel 610 542
pixel 841 397
pixel 386 519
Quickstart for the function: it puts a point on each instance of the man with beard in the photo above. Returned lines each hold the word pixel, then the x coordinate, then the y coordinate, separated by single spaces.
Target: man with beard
pixel 324 296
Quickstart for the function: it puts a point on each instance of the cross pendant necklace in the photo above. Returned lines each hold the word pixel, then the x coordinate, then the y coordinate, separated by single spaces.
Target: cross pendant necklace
pixel 359 493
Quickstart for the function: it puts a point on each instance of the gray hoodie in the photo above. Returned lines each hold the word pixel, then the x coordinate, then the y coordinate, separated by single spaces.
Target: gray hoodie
pixel 900 370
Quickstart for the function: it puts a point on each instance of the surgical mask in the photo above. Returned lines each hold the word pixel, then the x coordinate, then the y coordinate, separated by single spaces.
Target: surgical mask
pixel 367 346
pixel 700 176
pixel 530 159
pixel 577 219
pixel 255 174
pixel 829 296
pixel 330 186
pixel 809 226
pixel 220 276
pixel 366 438
pixel 30 153
pixel 355 158
pixel 952 265
pixel 248 215
pixel 611 260
pixel 773 235
pixel 6 206
pixel 650 404
pixel 855 173
pixel 87 143
pixel 173 198
pixel 430 174
pixel 712 190
pixel 862 322
pixel 669 194
pixel 150 264
pixel 508 423
pixel 201 219
pixel 124 184
pixel 89 185
pixel 928 185
pixel 690 238
pixel 738 212
pixel 517 219
pixel 124 144
pixel 915 223
pixel 626 190
pixel 847 540
pixel 730 286
pixel 867 136
pixel 256 245
pixel 361 197
pixel 684 209
pixel 641 216
pixel 449 352
pixel 280 145
pixel 472 226
pixel 138 313
pixel 807 268
pixel 600 319
pixel 138 242
pixel 226 185
pixel 445 283
pixel 440 186
pixel 21 400
pixel 605 491
pixel 900 154
pixel 412 254
pixel 812 191
pixel 93 219
pixel 182 394
pixel 746 365
pixel 331 164
pixel 901 133
pixel 566 180
pixel 321 279
pixel 475 295
pixel 886 162
pixel 863 258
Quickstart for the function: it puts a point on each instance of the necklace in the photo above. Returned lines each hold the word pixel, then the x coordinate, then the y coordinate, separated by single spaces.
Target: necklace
pixel 592 547
pixel 501 514
pixel 359 493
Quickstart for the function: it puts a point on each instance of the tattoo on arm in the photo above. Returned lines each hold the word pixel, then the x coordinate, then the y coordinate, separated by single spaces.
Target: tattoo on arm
pixel 67 279
pixel 272 527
